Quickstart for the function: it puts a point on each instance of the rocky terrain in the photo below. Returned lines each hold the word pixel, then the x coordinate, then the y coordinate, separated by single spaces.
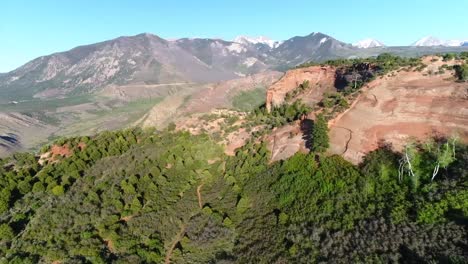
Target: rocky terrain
pixel 147 59
pixel 29 124
pixel 205 98
pixel 14 127
pixel 393 109
pixel 399 107
pixel 146 80
pixel 320 78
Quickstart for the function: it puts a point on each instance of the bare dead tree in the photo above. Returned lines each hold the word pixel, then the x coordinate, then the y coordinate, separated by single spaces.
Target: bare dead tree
pixel 444 156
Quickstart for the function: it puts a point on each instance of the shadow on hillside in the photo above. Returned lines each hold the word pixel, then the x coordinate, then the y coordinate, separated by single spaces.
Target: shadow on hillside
pixel 11 138
pixel 340 82
pixel 307 126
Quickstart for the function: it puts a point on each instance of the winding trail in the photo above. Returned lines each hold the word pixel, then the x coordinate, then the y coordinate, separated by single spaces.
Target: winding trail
pixel 273 149
pixel 349 139
pixel 200 203
pixel 362 93
pixel 181 232
pixel 375 99
pixel 176 240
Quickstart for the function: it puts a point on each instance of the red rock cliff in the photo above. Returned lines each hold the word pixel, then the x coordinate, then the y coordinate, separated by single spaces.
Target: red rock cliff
pixel 321 79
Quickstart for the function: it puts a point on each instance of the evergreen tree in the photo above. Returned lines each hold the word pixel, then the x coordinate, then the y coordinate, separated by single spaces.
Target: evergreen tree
pixel 320 134
pixel 461 72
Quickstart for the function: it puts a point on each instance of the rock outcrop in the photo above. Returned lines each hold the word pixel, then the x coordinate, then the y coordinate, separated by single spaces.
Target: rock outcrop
pixel 321 79
pixel 394 110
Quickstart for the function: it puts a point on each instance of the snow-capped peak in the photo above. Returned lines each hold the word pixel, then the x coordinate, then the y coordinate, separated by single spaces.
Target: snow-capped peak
pixel 432 41
pixel 453 43
pixel 428 41
pixel 368 43
pixel 256 40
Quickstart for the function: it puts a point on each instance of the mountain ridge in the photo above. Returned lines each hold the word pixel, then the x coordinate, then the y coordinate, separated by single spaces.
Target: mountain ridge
pixel 149 59
pixel 433 41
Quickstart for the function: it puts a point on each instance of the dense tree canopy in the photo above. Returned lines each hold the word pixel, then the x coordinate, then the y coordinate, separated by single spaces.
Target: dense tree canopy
pixel 138 196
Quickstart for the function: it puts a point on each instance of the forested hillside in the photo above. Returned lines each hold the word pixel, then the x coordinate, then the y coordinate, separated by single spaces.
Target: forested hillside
pixel 146 196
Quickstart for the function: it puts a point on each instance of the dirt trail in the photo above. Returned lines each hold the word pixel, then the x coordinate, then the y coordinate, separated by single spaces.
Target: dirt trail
pixel 349 139
pixel 178 237
pixel 396 108
pixel 200 203
pixel 335 120
pixel 110 245
pixel 181 232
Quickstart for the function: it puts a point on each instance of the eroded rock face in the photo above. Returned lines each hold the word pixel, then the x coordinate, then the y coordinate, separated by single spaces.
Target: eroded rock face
pixel 395 109
pixel 285 141
pixel 392 109
pixel 321 79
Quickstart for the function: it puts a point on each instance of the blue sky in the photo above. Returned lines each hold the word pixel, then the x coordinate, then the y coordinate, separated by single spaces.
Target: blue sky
pixel 29 29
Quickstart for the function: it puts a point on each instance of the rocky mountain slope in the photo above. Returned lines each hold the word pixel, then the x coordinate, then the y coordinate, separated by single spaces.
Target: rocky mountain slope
pixel 394 109
pixel 402 106
pixel 148 59
pixel 316 46
pixel 15 126
pixel 143 58
pixel 257 40
pixel 134 80
pixel 206 98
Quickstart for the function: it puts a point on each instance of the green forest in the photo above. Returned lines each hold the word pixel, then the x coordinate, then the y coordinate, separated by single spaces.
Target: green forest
pixel 147 196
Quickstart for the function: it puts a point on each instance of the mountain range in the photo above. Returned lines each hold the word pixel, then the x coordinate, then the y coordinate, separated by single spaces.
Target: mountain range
pixel 151 81
pixel 148 59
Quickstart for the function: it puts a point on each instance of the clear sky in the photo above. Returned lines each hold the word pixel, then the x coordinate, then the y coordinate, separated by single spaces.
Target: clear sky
pixel 29 29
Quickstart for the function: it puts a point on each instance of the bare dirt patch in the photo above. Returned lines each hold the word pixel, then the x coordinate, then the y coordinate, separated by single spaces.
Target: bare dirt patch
pixel 63 151
pixel 410 105
pixel 321 79
pixel 285 141
pixel 82 146
pixel 110 245
pixel 389 105
pixel 199 196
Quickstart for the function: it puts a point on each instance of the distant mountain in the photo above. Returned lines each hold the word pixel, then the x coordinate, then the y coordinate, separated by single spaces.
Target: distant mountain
pixel 147 59
pixel 143 58
pixel 368 43
pixel 257 40
pixel 453 43
pixel 316 46
pixel 465 44
pixel 428 41
pixel 432 41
